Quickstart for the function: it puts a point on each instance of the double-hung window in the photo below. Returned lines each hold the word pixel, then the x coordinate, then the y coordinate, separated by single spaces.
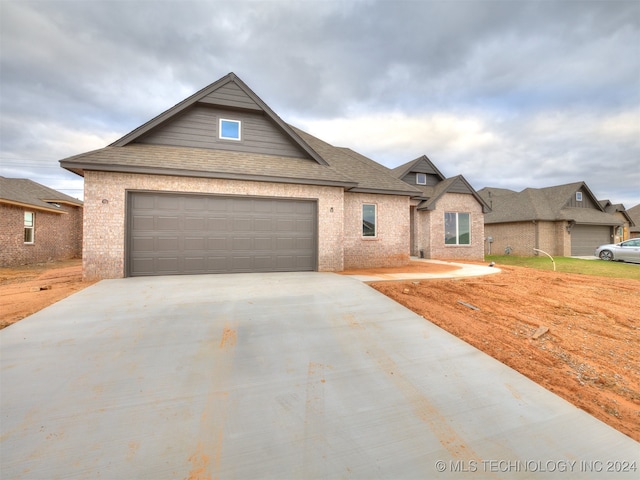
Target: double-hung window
pixel 29 227
pixel 369 220
pixel 457 228
pixel 229 129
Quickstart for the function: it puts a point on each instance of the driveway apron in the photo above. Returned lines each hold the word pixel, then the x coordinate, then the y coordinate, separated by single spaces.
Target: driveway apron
pixel 283 375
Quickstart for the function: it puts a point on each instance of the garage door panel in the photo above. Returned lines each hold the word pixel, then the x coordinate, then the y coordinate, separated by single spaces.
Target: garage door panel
pixel 263 224
pixel 167 223
pixel 195 264
pixel 242 224
pixel 194 243
pixel 166 244
pixel 143 222
pixel 143 243
pixel 218 243
pixel 219 224
pixel 167 265
pixel 242 243
pixel 194 224
pixel 166 203
pixel 182 234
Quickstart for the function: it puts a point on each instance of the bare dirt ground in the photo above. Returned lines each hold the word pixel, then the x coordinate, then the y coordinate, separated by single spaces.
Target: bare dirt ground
pixel 590 355
pixel 27 289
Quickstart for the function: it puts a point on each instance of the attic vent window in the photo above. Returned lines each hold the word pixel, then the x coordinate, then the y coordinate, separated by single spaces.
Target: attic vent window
pixel 578 196
pixel 421 178
pixel 229 129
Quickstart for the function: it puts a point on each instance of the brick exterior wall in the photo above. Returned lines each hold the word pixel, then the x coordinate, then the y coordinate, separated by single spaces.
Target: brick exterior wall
pixel 390 247
pixel 523 237
pixel 104 223
pixel 57 236
pixel 429 229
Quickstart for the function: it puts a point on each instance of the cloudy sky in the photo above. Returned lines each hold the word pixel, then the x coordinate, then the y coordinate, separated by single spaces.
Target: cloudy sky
pixel 510 94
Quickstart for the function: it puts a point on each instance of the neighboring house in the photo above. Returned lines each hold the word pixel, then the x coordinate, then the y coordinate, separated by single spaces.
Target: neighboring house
pixel 634 215
pixel 621 232
pixel 37 223
pixel 565 220
pixel 220 184
pixel 448 209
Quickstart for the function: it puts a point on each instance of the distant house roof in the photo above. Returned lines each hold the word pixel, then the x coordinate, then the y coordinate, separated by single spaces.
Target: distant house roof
pixel 545 204
pixel 319 163
pixel 27 193
pixel 634 214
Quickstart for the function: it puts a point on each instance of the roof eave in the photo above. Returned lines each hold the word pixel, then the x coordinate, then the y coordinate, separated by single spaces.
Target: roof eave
pixel 75 167
pixel 34 207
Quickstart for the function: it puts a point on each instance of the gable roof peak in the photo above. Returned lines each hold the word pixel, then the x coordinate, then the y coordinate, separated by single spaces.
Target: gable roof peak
pixel 203 95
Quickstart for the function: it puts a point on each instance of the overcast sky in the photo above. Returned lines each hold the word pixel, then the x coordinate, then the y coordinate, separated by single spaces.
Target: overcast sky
pixel 510 94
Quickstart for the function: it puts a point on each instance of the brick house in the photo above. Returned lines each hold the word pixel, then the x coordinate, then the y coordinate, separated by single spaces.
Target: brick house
pixel 564 220
pixel 634 215
pixel 37 223
pixel 448 209
pixel 622 232
pixel 220 184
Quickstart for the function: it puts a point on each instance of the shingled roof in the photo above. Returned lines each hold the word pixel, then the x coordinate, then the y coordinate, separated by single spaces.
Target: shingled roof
pixel 544 204
pixel 319 163
pixel 27 193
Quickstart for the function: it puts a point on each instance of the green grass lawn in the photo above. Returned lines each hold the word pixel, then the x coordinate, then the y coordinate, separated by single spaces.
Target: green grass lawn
pixel 598 268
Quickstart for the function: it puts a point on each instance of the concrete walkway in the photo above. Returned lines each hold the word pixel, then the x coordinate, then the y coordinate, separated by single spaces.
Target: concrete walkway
pixel 283 376
pixel 459 270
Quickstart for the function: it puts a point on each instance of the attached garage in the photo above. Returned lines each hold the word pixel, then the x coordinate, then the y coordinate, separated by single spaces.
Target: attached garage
pixel 170 234
pixel 586 238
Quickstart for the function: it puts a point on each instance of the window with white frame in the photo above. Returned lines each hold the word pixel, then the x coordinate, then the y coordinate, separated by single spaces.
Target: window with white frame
pixel 457 228
pixel 578 196
pixel 369 220
pixel 421 178
pixel 29 227
pixel 229 129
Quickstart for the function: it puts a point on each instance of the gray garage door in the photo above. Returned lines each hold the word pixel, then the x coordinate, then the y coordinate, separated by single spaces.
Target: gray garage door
pixel 171 234
pixel 586 238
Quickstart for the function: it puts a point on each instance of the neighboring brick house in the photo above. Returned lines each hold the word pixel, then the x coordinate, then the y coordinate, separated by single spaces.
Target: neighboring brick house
pixel 220 184
pixel 37 223
pixel 564 220
pixel 634 215
pixel 622 232
pixel 447 218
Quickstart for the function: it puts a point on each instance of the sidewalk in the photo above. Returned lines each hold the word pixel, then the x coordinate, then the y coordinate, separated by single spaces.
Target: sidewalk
pixel 459 270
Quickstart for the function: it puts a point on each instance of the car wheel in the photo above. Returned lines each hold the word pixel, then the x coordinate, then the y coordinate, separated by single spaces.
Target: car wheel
pixel 606 255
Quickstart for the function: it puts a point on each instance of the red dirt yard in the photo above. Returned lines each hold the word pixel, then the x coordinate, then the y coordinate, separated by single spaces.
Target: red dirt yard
pixel 590 355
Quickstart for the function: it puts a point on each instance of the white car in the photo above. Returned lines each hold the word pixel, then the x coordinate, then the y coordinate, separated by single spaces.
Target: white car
pixel 627 251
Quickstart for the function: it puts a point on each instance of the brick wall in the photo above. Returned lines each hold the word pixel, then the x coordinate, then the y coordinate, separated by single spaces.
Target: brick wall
pixel 429 229
pixel 105 213
pixel 57 236
pixel 523 237
pixel 390 247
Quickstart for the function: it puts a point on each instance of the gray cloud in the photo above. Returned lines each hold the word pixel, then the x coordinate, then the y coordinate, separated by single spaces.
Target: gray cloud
pixel 542 79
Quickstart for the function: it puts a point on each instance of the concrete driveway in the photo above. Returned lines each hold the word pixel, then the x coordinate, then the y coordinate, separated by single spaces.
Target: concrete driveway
pixel 284 376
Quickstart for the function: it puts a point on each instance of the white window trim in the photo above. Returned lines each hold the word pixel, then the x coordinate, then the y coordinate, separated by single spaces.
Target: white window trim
pixel 375 220
pixel 421 175
pixel 458 244
pixel 32 228
pixel 578 196
pixel 230 138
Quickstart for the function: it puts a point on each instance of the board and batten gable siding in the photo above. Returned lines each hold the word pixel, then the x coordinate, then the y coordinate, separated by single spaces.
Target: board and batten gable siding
pixel 231 95
pixel 410 178
pixel 105 207
pixel 585 203
pixel 198 127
